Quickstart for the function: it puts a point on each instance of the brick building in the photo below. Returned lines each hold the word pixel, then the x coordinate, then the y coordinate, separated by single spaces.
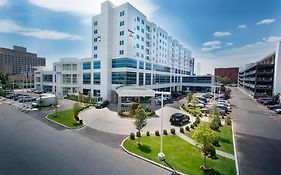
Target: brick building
pixel 231 72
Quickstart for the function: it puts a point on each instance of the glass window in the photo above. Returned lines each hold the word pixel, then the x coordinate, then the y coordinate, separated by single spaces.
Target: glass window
pixel 86 91
pixel 142 38
pixel 138 19
pixel 95 23
pixel 96 93
pixel 142 21
pixel 74 78
pixel 121 32
pixel 142 30
pixel 138 37
pixel 66 78
pixel 95 47
pixel 142 47
pixel 121 42
pixel 148 79
pixel 124 78
pixel 122 23
pixel 48 78
pixel 74 66
pixel 124 62
pixel 121 52
pixel 122 13
pixel 148 66
pixel 95 39
pixel 96 64
pixel 96 79
pixel 95 31
pixel 95 55
pixel 141 65
pixel 140 78
pixel 138 46
pixel 86 78
pixel 66 67
pixel 138 27
pixel 86 65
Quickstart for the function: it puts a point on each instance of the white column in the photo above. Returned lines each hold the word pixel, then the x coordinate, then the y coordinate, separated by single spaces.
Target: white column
pixel 277 70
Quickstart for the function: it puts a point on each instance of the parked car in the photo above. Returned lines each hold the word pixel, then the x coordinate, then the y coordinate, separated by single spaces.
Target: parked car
pixel 102 104
pixel 277 111
pixel 272 107
pixel 26 99
pixel 262 99
pixel 222 107
pixel 46 100
pixel 201 98
pixel 208 95
pixel 179 119
pixel 175 94
pixel 270 102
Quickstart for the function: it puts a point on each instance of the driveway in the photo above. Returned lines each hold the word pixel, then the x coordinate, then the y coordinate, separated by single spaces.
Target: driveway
pixel 257 135
pixel 107 120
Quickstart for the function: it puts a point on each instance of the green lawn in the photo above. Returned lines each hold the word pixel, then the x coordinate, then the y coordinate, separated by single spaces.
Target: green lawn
pixel 180 155
pixel 65 117
pixel 225 137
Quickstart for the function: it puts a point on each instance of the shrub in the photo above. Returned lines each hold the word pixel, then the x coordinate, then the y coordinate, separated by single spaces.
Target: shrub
pixel 81 122
pixel 214 125
pixel 195 124
pixel 132 136
pixel 181 130
pixel 212 152
pixel 157 133
pixel 147 133
pixel 187 128
pixel 218 120
pixel 192 126
pixel 138 134
pixel 228 120
pixel 173 131
pixel 165 132
pixel 216 142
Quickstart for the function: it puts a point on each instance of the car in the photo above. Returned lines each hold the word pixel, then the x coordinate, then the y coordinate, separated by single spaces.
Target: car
pixel 272 107
pixel 26 99
pixel 201 98
pixel 270 102
pixel 222 107
pixel 262 99
pixel 277 111
pixel 102 104
pixel 208 95
pixel 179 119
pixel 175 94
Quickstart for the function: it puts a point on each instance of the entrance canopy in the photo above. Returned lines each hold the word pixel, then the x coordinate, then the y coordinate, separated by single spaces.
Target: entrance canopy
pixel 134 91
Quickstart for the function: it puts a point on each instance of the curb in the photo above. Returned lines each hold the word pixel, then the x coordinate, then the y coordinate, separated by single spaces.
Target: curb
pixel 63 124
pixel 147 160
pixel 234 146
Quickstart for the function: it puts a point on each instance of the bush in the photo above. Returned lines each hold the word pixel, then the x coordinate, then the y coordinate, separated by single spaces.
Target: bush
pixel 157 133
pixel 211 152
pixel 138 134
pixel 81 122
pixel 195 124
pixel 218 120
pixel 165 132
pixel 132 136
pixel 214 125
pixel 228 120
pixel 147 133
pixel 173 131
pixel 187 128
pixel 181 130
pixel 216 142
pixel 192 126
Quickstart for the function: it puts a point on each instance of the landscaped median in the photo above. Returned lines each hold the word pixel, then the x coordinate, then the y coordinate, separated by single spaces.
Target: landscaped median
pixel 180 155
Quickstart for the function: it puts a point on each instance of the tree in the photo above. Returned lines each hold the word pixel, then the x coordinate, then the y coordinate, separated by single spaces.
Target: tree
pixel 140 121
pixel 194 101
pixel 55 104
pixel 89 97
pixel 80 97
pixel 76 110
pixel 204 137
pixel 189 97
pixel 215 116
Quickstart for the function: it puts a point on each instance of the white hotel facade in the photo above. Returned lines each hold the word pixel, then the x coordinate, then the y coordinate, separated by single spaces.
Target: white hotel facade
pixel 127 49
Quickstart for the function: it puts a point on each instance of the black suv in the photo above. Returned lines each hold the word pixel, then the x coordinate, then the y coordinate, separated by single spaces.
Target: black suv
pixel 102 104
pixel 179 119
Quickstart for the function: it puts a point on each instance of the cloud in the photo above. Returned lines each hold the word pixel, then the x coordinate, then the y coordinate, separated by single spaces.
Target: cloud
pixel 229 44
pixel 221 34
pixel 242 26
pixel 8 26
pixel 212 43
pixel 91 7
pixel 272 39
pixel 3 3
pixel 265 21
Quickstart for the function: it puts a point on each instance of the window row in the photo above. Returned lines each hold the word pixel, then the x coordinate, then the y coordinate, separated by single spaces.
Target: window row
pixel 87 65
pixel 87 78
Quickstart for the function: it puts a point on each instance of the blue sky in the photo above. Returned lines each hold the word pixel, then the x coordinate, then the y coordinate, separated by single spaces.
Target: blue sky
pixel 220 33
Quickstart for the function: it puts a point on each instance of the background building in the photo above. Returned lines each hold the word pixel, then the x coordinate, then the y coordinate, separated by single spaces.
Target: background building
pixel 230 72
pixel 261 78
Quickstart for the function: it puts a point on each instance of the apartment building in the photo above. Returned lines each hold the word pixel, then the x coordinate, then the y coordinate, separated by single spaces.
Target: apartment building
pixel 262 78
pixel 127 49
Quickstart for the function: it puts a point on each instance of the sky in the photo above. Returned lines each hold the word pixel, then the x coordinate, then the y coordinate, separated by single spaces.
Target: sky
pixel 220 33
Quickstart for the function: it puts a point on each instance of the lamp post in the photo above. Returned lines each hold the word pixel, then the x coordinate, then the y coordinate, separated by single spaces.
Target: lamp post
pixel 161 155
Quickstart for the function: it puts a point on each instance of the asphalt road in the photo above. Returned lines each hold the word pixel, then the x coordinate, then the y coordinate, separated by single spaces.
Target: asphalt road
pixel 257 135
pixel 30 146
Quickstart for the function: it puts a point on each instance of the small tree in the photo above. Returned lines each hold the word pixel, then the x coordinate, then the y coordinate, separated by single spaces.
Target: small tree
pixel 189 97
pixel 140 121
pixel 76 110
pixel 204 137
pixel 55 104
pixel 194 102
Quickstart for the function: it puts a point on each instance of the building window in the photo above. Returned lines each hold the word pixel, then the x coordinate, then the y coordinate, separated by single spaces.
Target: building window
pixel 95 23
pixel 147 79
pixel 142 47
pixel 142 38
pixel 142 21
pixel 121 42
pixel 121 52
pixel 66 78
pixel 138 37
pixel 124 62
pixel 66 67
pixel 142 30
pixel 95 31
pixel 138 27
pixel 96 93
pixel 95 47
pixel 140 78
pixel 137 54
pixel 138 46
pixel 95 55
pixel 141 65
pixel 124 78
pixel 74 78
pixel 48 78
pixel 74 66
pixel 148 66
pixel 95 39
pixel 96 79
pixel 122 23
pixel 122 13
pixel 86 65
pixel 86 91
pixel 121 32
pixel 96 64
pixel 86 78
pixel 138 19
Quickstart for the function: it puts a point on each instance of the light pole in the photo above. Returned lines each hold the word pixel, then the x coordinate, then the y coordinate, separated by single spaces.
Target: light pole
pixel 161 155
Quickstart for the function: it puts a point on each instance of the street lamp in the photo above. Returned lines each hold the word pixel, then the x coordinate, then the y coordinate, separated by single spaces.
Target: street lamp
pixel 161 155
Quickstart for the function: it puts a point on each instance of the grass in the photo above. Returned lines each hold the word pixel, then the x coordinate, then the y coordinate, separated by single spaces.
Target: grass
pixel 66 118
pixel 225 139
pixel 180 155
